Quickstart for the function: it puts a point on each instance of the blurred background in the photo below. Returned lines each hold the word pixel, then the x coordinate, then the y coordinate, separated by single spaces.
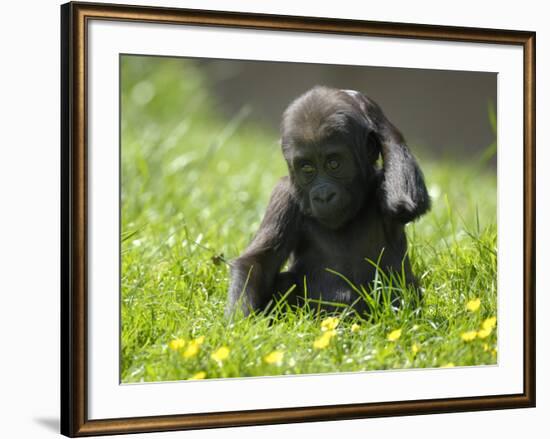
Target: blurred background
pixel 445 112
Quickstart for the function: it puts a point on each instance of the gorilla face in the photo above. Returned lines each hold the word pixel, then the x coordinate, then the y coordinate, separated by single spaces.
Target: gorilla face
pixel 329 154
pixel 329 181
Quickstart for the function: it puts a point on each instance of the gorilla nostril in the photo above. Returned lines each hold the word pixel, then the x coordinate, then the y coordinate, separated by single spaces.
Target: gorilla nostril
pixel 324 197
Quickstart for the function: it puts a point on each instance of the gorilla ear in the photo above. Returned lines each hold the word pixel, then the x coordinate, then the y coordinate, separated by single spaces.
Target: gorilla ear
pixel 402 192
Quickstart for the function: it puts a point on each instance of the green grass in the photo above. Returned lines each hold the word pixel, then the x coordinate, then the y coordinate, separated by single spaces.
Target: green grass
pixel 194 188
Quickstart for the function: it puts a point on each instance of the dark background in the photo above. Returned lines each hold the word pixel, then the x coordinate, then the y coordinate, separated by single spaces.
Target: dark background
pixel 443 112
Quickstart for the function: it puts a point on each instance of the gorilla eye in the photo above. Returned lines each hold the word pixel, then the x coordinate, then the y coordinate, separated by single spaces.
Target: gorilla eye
pixel 307 168
pixel 333 164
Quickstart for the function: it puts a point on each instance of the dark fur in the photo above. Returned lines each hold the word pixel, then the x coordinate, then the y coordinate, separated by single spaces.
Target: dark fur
pixel 333 218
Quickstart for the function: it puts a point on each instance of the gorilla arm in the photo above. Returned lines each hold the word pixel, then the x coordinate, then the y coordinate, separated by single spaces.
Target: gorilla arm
pixel 253 274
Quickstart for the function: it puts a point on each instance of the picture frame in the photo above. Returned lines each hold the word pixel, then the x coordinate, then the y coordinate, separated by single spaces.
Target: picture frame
pixel 77 329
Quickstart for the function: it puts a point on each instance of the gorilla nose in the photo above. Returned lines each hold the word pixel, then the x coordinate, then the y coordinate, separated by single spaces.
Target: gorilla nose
pixel 324 195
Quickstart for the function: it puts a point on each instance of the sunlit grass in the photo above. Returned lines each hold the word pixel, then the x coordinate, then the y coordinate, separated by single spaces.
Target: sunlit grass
pixel 194 188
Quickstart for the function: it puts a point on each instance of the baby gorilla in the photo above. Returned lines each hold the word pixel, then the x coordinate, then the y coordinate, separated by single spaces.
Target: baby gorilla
pixel 336 209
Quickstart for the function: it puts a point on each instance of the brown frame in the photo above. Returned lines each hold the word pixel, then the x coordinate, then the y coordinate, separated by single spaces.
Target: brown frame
pixel 74 19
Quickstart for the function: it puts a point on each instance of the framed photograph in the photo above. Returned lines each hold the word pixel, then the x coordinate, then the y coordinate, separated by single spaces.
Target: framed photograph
pixel 272 219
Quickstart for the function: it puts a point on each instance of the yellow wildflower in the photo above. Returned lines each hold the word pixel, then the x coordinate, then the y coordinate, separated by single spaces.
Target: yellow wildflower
pixel 193 347
pixel 355 327
pixel 220 354
pixel 274 357
pixel 329 323
pixel 485 347
pixel 448 365
pixel 489 323
pixel 176 344
pixel 473 305
pixel 323 341
pixel 198 376
pixel 415 348
pixel 394 335
pixel 484 333
pixel 192 350
pixel 468 336
pixel 199 340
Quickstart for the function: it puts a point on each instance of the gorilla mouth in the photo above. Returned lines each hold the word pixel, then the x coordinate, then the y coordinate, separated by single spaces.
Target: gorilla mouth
pixel 331 218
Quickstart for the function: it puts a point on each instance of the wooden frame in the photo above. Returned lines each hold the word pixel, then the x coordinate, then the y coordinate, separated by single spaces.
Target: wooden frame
pixel 74 192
